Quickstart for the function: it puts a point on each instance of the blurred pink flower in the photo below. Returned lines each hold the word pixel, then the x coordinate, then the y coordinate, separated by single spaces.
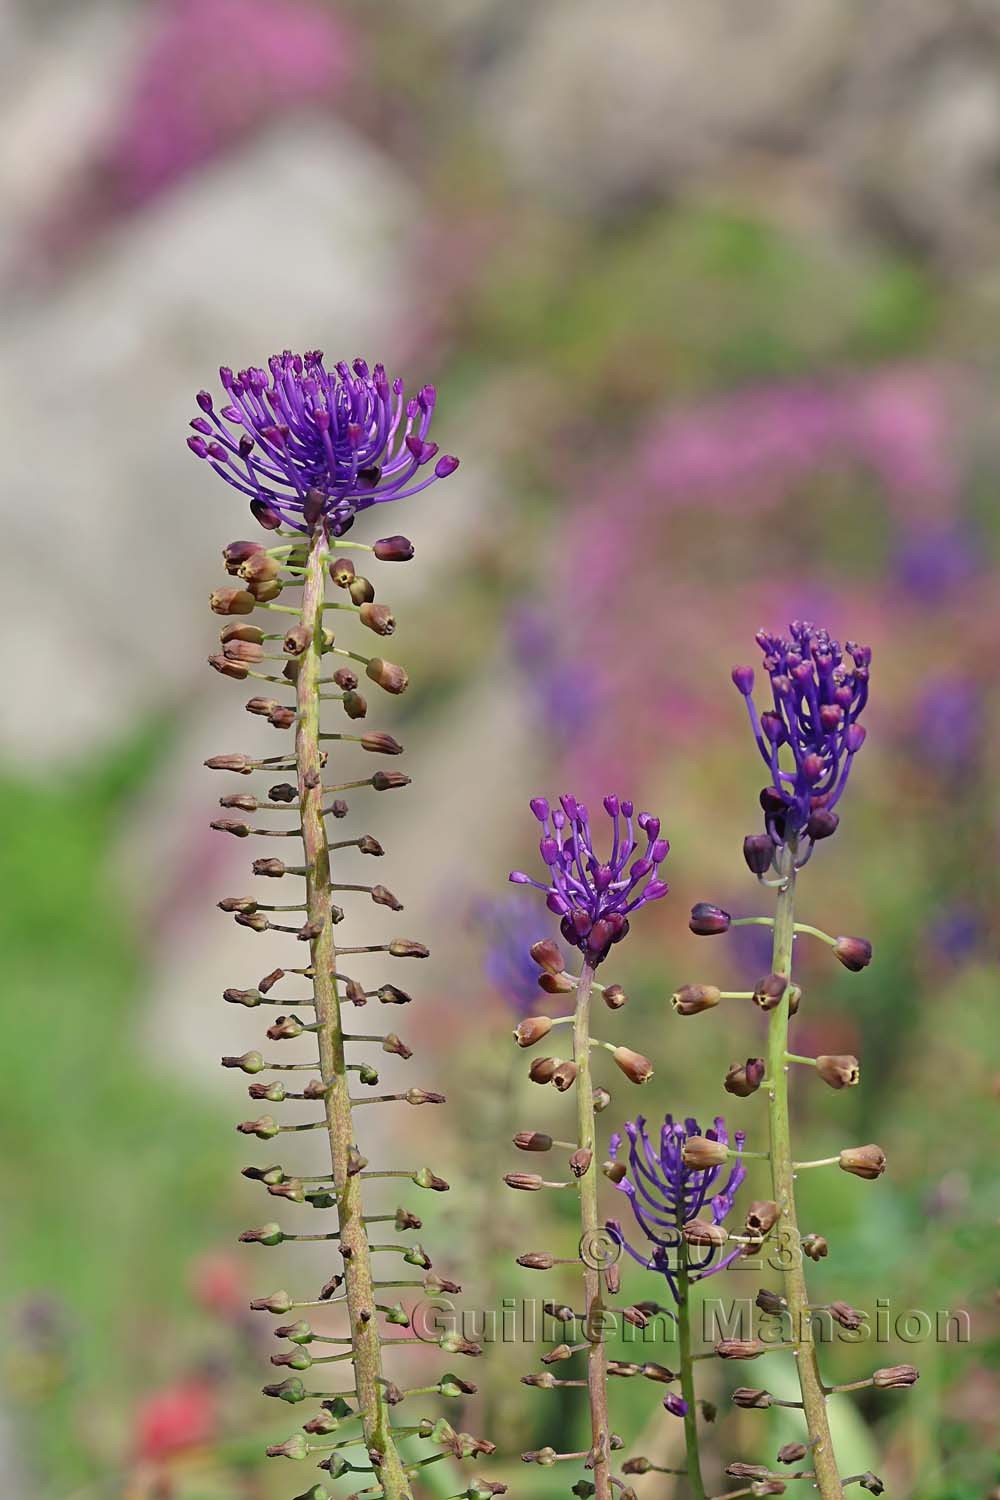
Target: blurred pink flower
pixel 182 1416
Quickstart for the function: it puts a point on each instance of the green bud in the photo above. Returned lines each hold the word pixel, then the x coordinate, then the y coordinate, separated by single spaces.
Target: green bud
pixel 250 1062
pixel 299 1332
pixel 295 1447
pixel 292 1391
pixel 417 1256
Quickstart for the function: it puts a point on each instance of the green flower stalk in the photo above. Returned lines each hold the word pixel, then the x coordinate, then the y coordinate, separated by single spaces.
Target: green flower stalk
pixel 594 900
pixel 808 741
pixel 325 446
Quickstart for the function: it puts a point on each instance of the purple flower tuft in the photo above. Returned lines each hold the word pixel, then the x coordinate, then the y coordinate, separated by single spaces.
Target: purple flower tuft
pixel 665 1195
pixel 595 899
pixel 818 697
pixel 314 443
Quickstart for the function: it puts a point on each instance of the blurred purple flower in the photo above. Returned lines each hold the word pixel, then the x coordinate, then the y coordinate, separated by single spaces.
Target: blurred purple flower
pixel 949 724
pixel 510 927
pixel 317 442
pixel 214 71
pixel 563 688
pixel 595 899
pixel 665 1194
pixel 933 562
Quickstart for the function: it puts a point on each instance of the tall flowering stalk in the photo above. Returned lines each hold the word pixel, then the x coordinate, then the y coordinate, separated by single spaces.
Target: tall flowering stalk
pixel 681 1205
pixel 312 448
pixel 594 899
pixel 808 739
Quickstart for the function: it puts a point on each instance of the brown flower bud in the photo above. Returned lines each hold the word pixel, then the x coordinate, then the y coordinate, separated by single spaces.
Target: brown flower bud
pixel 285 1029
pixel 378 743
pixel 863 1161
pixel 408 948
pixel 612 1280
pixel 392 1044
pixel 274 868
pixel 361 590
pixel 296 640
pixel 249 998
pixel 692 999
pixel 355 705
pixel 525 1182
pixel 423 1096
pixel 614 996
pixel 815 1246
pixel 389 781
pixel 281 718
pixel 636 1466
pixel 762 1215
pixel 264 590
pixel 249 1062
pixel 382 896
pixel 895 1377
pixel 700 1153
pixel 536 1260
pixel 239 630
pixel 242 651
pixel 771 1303
pixel 740 1348
pixel 601 1100
pixel 278 1303
pixel 548 955
pixel 767 1487
pixel 531 1030
pixel 258 568
pixel 368 845
pixel 256 921
pixel 564 1076
pixel 614 1171
pixel 393 549
pixel 623 1368
pixel 342 571
pixel 265 1129
pixel 707 920
pixel 270 980
pixel 846 1315
pixel 744 1079
pixel 234 554
pixel 237 903
pixel 635 1316
pixel 232 602
pixel 792 1453
pixel 235 669
pixel 874 1485
pixel 388 994
pixel 553 1357
pixel 579 1162
pixel 751 1398
pixel 747 1471
pixel 283 791
pixel 388 676
pixel 555 984
pixel 262 706
pixel 378 617
pixel 346 678
pixel 636 1067
pixel 229 825
pixel 853 952
pixel 704 1232
pixel 241 763
pixel 841 1071
pixel 533 1140
pixel 769 991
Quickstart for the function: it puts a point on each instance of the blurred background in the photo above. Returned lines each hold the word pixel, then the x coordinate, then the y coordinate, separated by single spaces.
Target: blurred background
pixel 710 294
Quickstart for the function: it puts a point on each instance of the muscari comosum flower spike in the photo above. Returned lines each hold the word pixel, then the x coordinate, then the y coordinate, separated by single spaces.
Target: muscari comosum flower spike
pixel 594 898
pixel 313 448
pixel 681 1209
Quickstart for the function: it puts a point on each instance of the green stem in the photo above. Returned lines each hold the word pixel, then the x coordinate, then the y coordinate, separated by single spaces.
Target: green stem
pixel 782 1178
pixel 339 1125
pixel 597 1362
pixel 687 1374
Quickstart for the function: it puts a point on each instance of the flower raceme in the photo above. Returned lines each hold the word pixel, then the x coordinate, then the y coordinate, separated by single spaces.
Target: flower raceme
pixel 594 898
pixel 666 1194
pixel 312 442
pixel 818 697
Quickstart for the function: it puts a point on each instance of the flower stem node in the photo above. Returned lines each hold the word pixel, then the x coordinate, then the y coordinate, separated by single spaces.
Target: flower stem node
pixel 840 1071
pixel 863 1161
pixel 692 999
pixel 853 952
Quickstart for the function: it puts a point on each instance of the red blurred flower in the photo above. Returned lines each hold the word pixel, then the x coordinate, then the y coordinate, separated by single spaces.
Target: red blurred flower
pixel 218 1285
pixel 183 1416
